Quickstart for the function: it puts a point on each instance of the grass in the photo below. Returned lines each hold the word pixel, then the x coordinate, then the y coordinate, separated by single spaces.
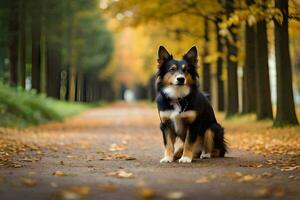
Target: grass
pixel 19 108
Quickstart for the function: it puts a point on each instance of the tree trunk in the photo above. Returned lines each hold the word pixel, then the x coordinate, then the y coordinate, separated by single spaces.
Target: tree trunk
pixel 285 114
pixel 232 84
pixel 53 70
pixel 249 87
pixel 71 60
pixel 72 80
pixel 263 95
pixel 13 41
pixel 79 86
pixel 3 66
pixel 36 48
pixel 220 82
pixel 206 66
pixel 84 87
pixel 71 64
pixel 53 48
pixel 22 44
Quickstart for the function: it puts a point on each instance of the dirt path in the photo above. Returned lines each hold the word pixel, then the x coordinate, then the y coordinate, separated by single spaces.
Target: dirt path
pixel 114 152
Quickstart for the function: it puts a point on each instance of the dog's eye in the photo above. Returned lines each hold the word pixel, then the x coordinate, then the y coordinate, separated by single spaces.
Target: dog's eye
pixel 184 68
pixel 173 68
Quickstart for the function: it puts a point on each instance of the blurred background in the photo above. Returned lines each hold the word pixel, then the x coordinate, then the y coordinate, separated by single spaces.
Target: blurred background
pixel 106 50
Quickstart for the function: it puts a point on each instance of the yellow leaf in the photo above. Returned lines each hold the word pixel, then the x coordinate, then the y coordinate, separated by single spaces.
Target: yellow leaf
pixel 202 180
pixel 251 20
pixel 147 193
pixel 17 165
pixel 28 182
pixel 233 58
pixel 59 173
pixel 246 178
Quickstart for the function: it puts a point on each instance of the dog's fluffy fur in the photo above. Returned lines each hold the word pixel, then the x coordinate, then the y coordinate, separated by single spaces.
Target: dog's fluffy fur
pixel 185 112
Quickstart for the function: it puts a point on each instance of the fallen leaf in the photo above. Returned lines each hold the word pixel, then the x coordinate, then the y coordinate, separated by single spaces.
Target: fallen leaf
pixel 238 174
pixel 287 169
pixel 146 193
pixel 32 173
pixel 267 174
pixel 72 156
pixel 291 153
pixel 175 195
pixel 117 157
pixel 202 180
pixel 76 192
pixel 82 190
pixel 246 178
pixel 117 147
pixel 26 159
pixel 59 173
pixel 121 174
pixel 69 195
pixel 124 157
pixel 262 193
pixel 28 182
pixel 17 165
pixel 53 184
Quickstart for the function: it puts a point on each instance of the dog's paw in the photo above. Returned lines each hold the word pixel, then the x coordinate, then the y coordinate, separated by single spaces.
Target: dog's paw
pixel 205 155
pixel 166 159
pixel 185 159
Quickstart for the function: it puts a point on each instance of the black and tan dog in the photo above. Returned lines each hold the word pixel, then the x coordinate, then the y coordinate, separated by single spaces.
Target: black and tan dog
pixel 184 111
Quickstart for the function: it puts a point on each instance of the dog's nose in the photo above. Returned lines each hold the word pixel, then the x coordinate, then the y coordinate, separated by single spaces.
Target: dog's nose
pixel 180 80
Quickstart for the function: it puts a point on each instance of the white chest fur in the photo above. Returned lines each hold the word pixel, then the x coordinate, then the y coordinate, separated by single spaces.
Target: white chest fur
pixel 178 118
pixel 178 123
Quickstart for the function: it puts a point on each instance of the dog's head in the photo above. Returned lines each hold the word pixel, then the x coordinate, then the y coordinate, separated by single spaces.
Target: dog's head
pixel 176 77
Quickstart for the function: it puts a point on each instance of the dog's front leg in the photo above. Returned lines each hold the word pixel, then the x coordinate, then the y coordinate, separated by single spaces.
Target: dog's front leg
pixel 188 148
pixel 169 140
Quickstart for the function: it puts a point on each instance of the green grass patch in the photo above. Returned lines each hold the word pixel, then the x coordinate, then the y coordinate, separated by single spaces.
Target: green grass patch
pixel 19 108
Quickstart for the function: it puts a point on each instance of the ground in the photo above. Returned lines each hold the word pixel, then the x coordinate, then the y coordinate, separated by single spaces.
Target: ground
pixel 113 152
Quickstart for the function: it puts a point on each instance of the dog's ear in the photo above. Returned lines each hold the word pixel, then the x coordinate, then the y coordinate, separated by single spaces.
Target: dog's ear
pixel 192 56
pixel 163 55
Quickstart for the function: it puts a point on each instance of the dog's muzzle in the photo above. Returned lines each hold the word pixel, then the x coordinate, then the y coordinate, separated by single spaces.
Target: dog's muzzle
pixel 180 79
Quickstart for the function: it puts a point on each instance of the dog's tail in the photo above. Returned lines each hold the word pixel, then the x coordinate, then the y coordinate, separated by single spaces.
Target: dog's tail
pixel 217 141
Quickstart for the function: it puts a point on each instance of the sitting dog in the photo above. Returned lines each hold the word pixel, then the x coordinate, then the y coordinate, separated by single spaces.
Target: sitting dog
pixel 184 111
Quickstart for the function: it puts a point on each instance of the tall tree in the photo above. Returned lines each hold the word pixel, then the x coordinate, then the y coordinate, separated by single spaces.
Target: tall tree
pixel 206 65
pixel 36 27
pixel 263 95
pixel 249 87
pixel 232 82
pixel 220 81
pixel 54 11
pixel 285 114
pixel 13 40
pixel 22 38
pixel 53 71
pixel 71 52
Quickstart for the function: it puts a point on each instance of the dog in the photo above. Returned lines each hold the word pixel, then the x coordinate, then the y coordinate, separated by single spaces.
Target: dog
pixel 184 111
